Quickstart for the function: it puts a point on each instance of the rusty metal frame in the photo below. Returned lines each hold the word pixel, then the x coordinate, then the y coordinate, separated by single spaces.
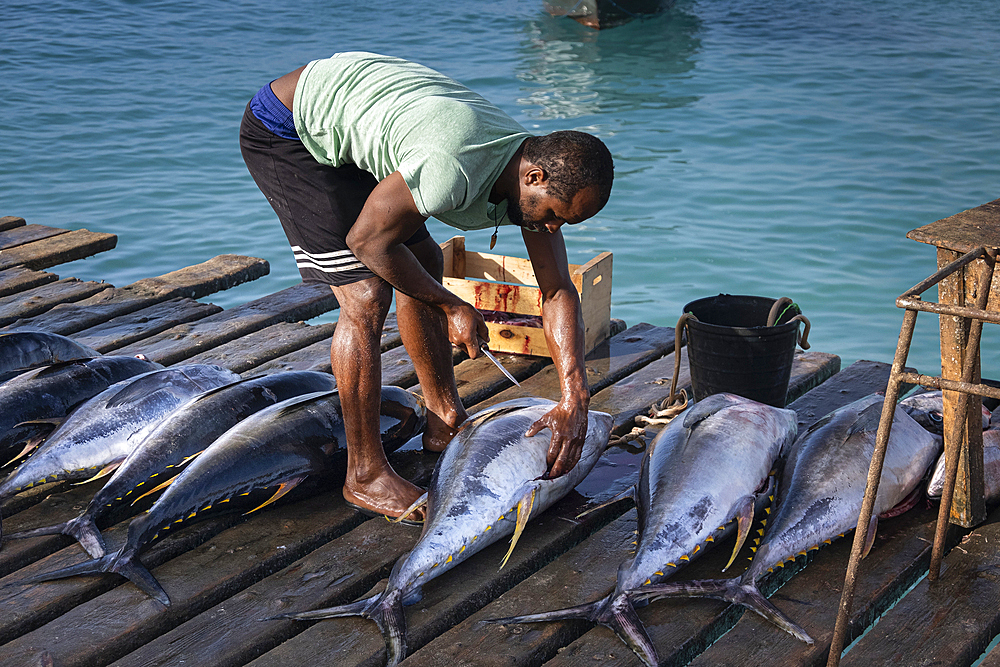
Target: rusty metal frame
pixel 912 303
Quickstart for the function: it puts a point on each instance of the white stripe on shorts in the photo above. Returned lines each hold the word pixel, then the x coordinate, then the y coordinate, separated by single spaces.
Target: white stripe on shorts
pixel 327 262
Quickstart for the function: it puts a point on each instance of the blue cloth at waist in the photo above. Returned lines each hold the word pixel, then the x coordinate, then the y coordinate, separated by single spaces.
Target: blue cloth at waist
pixel 273 114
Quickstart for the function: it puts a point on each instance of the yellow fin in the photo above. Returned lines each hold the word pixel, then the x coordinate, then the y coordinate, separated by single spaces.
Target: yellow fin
pixel 154 490
pixel 104 472
pixel 417 504
pixel 744 521
pixel 283 488
pixel 523 512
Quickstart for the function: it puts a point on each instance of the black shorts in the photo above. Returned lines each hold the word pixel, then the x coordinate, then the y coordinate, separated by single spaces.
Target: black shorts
pixel 316 204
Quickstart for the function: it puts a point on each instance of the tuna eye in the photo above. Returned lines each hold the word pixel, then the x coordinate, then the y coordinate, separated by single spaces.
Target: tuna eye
pixel 935 417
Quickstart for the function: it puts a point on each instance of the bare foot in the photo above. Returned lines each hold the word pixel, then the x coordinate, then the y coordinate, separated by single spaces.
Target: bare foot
pixel 388 494
pixel 438 433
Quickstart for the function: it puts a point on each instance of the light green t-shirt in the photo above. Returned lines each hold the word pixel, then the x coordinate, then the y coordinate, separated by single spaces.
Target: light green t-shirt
pixel 385 114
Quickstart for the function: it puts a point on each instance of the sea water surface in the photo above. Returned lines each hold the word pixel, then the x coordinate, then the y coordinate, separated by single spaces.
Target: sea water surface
pixel 772 149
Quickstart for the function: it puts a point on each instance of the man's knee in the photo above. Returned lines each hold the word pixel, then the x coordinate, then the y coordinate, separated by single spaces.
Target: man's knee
pixel 365 303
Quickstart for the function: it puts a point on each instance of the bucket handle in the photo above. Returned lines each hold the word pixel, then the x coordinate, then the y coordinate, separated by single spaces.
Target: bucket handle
pixel 778 309
pixel 678 334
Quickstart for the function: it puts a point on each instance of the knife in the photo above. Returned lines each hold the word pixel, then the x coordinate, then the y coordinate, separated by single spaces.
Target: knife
pixel 489 355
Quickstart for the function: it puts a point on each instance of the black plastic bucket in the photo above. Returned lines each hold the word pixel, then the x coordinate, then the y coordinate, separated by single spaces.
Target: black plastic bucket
pixel 731 348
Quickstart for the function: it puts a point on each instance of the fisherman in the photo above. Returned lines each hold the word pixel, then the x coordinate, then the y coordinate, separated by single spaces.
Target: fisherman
pixel 354 153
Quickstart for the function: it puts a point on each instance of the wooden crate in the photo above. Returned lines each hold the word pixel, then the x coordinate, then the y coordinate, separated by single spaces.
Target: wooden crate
pixel 507 284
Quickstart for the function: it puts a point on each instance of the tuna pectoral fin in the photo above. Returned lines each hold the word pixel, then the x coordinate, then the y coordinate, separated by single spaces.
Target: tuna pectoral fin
pixel 730 590
pixel 627 493
pixel 103 472
pixel 870 535
pixel 744 522
pixel 81 528
pixel 523 512
pixel 125 565
pixel 386 609
pixel 159 487
pixel 283 488
pixel 417 504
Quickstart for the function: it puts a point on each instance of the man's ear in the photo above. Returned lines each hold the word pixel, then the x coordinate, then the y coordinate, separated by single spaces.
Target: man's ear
pixel 535 175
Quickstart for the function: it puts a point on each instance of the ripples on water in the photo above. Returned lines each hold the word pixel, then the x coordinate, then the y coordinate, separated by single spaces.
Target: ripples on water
pixel 780 149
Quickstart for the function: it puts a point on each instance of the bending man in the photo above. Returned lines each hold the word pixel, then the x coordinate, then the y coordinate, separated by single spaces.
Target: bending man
pixel 354 153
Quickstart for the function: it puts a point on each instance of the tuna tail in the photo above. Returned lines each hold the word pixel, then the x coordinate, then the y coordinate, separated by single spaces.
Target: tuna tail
pixel 615 612
pixel 729 590
pixel 123 562
pixel 82 529
pixel 385 608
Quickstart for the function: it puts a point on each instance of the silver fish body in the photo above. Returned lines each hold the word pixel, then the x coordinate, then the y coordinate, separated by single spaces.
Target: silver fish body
pixel 991 469
pixel 52 391
pixel 179 437
pixel 21 350
pixel 103 430
pixel 277 446
pixel 706 468
pixel 823 485
pixel 484 487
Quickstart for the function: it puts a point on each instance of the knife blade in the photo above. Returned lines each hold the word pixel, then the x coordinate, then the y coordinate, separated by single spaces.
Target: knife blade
pixel 489 355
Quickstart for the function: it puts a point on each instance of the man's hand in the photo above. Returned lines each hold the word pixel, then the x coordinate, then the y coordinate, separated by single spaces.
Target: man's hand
pixel 568 423
pixel 466 328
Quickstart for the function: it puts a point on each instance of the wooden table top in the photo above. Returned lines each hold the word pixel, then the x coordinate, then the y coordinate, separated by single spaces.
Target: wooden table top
pixel 963 232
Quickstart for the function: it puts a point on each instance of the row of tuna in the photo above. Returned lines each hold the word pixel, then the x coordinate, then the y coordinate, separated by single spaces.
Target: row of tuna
pixel 198 433
pixel 707 474
pixel 704 476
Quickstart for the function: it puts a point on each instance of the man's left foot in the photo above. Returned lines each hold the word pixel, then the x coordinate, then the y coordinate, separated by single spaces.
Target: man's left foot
pixel 438 434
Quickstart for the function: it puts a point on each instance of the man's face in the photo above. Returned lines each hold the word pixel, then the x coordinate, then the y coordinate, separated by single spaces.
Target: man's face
pixel 537 211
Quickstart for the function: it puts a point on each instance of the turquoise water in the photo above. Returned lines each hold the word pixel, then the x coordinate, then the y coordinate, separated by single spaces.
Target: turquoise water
pixel 775 149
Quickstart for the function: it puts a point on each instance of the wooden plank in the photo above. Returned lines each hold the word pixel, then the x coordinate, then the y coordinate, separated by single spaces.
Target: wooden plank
pixel 60 249
pixel 336 572
pixel 965 231
pixel 26 234
pixel 19 279
pixel 255 348
pixel 947 622
pixel 41 299
pixel 316 357
pixel 11 222
pixel 560 584
pixel 299 302
pixel 192 282
pixel 966 510
pixel 126 329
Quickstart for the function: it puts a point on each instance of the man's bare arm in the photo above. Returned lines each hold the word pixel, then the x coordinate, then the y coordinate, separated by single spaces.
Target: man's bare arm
pixel 388 219
pixel 562 321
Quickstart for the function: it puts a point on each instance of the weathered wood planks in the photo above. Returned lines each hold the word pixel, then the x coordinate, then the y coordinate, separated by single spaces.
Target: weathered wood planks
pixel 40 299
pixel 59 249
pixel 18 279
pixel 300 302
pixel 193 282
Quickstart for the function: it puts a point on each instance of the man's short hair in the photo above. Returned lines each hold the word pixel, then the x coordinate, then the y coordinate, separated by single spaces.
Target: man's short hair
pixel 573 161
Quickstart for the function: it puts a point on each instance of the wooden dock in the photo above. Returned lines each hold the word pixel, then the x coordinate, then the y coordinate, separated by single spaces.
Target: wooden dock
pixel 226 573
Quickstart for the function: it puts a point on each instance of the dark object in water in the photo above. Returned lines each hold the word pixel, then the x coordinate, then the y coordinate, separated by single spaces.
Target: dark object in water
pixel 601 14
